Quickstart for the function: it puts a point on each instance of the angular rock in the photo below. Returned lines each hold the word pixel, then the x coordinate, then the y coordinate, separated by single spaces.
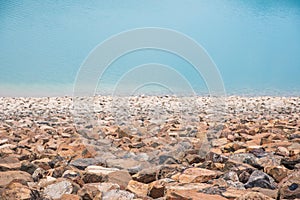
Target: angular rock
pixel 260 179
pixel 140 189
pixel 120 177
pixel 56 190
pixel 82 163
pixel 146 175
pixel 197 175
pixel 157 189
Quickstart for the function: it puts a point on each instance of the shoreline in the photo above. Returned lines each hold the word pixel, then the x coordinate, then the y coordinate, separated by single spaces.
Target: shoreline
pixel 146 147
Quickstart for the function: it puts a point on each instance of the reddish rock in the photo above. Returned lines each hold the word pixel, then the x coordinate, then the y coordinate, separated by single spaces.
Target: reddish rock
pixel 197 175
pixel 140 189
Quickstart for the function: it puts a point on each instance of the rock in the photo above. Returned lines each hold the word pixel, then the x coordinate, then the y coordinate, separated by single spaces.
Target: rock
pixel 269 160
pixel 282 151
pixel 219 142
pixel 82 163
pixel 105 187
pixel 38 174
pixel 70 197
pixel 28 167
pixel 290 163
pixel 232 193
pixel 90 191
pixel 247 158
pixel 146 175
pixel 216 158
pixel 71 174
pixel 244 176
pixel 120 177
pixel 8 176
pixel 197 175
pixel 289 188
pixel 268 192
pixel 277 172
pixel 16 190
pixel 100 170
pixel 157 189
pixel 46 181
pixel 129 164
pixel 260 179
pixel 42 163
pixel 9 163
pixel 191 195
pixel 56 190
pixel 253 196
pixel 231 176
pixel 140 189
pixel 117 195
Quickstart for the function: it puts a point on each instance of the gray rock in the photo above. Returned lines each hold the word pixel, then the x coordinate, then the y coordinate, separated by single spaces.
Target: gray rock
pixel 82 163
pixel 56 190
pixel 260 179
pixel 117 195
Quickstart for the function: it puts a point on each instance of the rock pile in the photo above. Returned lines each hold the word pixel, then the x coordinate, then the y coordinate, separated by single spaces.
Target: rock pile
pixel 146 148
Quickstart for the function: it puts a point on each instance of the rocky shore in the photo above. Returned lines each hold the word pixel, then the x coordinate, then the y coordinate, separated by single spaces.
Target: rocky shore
pixel 150 147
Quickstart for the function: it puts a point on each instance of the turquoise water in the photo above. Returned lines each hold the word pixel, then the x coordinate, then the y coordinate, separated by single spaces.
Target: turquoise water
pixel 255 44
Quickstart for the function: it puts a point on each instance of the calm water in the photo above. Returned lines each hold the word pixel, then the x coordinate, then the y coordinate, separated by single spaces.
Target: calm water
pixel 255 44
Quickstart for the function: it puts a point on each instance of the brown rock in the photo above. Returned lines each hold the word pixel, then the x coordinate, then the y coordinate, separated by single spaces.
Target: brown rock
pixel 147 175
pixel 191 195
pixel 70 197
pixel 121 178
pixel 9 163
pixel 232 193
pixel 219 142
pixel 16 190
pixel 268 192
pixel 8 176
pixel 90 191
pixel 197 175
pixel 289 187
pixel 277 172
pixel 157 189
pixel 140 189
pixel 253 196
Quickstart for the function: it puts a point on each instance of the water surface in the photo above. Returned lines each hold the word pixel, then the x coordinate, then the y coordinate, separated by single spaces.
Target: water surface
pixel 255 44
